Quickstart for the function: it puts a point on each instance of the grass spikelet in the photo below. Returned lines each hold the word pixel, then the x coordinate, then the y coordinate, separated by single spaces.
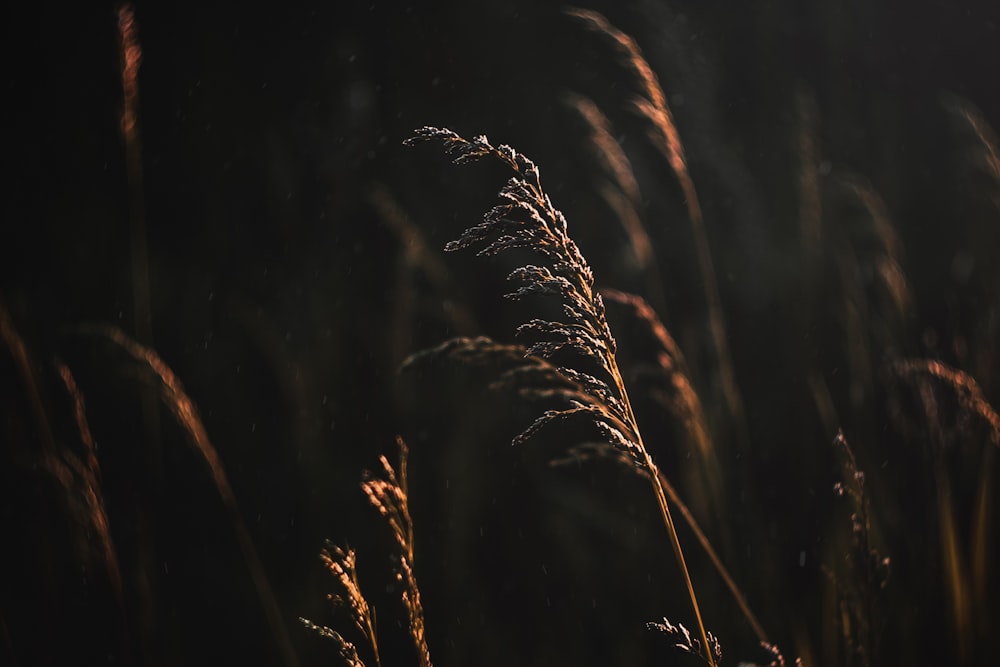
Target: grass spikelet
pixel 389 495
pixel 477 350
pixel 678 394
pixel 347 651
pixel 777 659
pixel 342 565
pixel 859 589
pixel 532 377
pixel 526 218
pixel 683 641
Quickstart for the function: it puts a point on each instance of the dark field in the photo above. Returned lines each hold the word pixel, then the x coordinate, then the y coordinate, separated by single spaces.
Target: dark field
pixel 218 259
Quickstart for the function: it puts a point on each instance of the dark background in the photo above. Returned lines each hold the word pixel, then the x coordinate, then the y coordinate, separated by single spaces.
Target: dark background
pixel 282 298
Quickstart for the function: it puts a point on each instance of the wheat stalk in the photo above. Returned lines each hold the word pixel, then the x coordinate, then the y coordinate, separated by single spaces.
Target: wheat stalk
pixel 526 218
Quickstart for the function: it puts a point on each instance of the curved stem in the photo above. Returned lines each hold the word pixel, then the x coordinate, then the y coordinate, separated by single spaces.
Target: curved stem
pixel 661 500
pixel 692 523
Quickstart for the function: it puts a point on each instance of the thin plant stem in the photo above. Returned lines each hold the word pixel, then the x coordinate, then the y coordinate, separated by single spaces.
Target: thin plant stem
pixel 668 520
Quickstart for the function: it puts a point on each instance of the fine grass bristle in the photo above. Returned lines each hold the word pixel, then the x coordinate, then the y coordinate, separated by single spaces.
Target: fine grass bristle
pixel 864 572
pixel 342 565
pixel 684 642
pixel 346 650
pixel 526 218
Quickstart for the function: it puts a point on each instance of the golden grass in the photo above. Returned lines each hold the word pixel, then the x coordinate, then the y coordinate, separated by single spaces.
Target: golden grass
pixel 388 493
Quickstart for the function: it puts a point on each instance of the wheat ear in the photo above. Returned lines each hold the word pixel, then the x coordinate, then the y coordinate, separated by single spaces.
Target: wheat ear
pixel 526 218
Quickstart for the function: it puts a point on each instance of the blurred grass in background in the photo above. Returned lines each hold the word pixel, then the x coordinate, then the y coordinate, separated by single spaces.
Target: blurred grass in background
pixel 847 170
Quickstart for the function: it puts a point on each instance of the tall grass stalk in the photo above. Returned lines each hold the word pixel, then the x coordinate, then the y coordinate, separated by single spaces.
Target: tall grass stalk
pixel 174 397
pixel 131 59
pixel 526 218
